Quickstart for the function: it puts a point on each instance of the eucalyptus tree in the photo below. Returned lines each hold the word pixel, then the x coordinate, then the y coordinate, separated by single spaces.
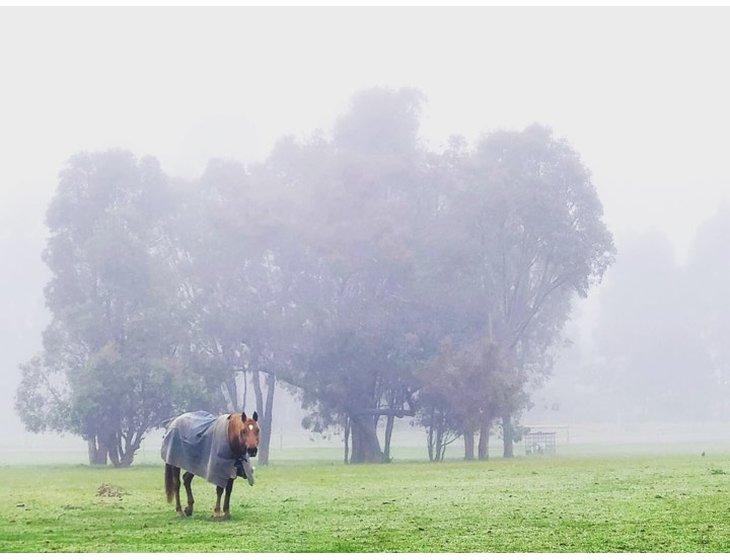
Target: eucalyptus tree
pixel 651 335
pixel 357 192
pixel 708 290
pixel 525 235
pixel 540 240
pixel 110 368
pixel 461 388
pixel 234 259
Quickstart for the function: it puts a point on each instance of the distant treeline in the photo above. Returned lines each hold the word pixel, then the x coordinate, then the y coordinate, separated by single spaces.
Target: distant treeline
pixel 378 277
pixel 658 348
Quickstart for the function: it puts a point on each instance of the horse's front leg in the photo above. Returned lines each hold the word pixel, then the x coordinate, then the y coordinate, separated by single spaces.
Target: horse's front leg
pixel 187 479
pixel 218 493
pixel 227 501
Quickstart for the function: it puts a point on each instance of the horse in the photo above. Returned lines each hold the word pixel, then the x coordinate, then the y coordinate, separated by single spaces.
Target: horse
pixel 238 437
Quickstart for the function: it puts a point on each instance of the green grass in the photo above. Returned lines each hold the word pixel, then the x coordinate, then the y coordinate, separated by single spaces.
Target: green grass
pixel 628 503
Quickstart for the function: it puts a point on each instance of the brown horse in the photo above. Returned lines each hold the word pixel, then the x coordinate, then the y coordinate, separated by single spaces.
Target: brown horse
pixel 243 438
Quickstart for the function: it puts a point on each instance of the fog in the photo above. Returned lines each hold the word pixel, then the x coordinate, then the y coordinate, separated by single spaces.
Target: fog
pixel 640 94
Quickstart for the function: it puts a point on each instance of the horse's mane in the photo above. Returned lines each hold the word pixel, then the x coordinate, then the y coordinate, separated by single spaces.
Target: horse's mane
pixel 235 425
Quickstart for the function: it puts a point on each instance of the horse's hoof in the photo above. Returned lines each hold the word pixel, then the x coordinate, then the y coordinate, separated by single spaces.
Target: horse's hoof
pixel 226 516
pixel 181 513
pixel 188 511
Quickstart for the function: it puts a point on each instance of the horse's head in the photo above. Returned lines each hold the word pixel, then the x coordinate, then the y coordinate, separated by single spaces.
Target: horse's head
pixel 248 434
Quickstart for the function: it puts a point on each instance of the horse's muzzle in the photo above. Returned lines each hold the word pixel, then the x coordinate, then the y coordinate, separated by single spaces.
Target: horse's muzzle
pixel 252 451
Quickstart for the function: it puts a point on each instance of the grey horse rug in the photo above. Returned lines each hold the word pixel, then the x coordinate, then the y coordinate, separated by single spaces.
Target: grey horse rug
pixel 198 443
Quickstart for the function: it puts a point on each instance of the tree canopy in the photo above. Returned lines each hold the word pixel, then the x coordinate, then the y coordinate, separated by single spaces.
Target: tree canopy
pixel 378 277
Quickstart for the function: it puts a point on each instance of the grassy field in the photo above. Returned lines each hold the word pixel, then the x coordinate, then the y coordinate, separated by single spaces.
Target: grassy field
pixel 629 503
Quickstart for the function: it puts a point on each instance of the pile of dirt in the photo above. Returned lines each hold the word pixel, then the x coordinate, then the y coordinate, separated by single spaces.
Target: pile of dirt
pixel 106 490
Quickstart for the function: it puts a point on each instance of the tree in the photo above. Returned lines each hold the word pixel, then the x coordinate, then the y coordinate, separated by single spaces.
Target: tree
pixel 526 235
pixel 462 390
pixel 363 269
pixel 358 193
pixel 238 260
pixel 708 290
pixel 110 354
pixel 655 364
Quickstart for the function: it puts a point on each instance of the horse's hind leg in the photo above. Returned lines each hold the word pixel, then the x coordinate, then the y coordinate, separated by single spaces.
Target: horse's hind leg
pixel 217 510
pixel 227 500
pixel 187 479
pixel 176 487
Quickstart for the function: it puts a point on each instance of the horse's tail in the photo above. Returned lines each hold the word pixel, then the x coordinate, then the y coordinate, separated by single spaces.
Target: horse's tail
pixel 169 482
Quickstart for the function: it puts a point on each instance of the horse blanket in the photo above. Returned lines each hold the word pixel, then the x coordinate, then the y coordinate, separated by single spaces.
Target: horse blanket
pixel 198 443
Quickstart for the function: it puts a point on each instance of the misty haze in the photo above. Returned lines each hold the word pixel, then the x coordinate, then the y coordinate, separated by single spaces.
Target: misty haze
pixel 403 237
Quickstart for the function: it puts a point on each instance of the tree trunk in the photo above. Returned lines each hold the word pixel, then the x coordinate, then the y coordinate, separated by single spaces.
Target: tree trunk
pixel 97 451
pixel 468 446
pixel 91 447
pixel 232 395
pixel 388 435
pixel 244 402
pixel 429 442
pixel 113 445
pixel 127 456
pixel 507 437
pixel 365 444
pixel 347 441
pixel 268 420
pixel 440 447
pixel 483 451
pixel 122 447
pixel 257 391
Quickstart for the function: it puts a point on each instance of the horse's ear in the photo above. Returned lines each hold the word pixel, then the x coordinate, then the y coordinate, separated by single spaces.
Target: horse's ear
pixel 255 416
pixel 243 416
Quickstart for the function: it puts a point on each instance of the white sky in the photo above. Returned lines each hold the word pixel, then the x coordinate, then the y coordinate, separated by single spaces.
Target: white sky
pixel 642 94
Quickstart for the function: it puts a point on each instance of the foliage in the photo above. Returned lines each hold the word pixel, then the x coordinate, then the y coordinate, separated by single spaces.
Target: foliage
pixel 364 269
pixel 357 285
pixel 654 361
pixel 109 364
pixel 519 233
